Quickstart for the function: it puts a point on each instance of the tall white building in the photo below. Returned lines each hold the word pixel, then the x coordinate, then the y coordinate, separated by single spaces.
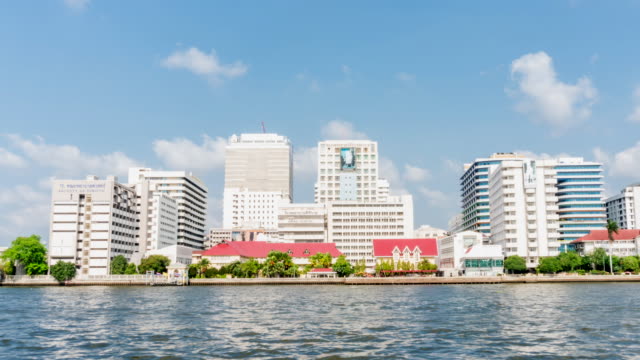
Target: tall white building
pixel 217 236
pixel 624 208
pixel 302 223
pixel 352 225
pixel 158 217
pixel 190 195
pixel 92 221
pixel 258 177
pixel 348 171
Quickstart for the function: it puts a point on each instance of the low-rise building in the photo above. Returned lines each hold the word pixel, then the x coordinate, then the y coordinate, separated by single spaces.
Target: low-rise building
pixel 412 251
pixel 216 236
pixel 178 254
pixel 483 260
pixel 227 252
pixel 625 242
pixel 453 248
pixel 429 232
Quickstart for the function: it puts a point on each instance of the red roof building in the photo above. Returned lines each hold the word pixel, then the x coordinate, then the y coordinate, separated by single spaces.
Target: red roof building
pixel 603 235
pixel 625 242
pixel 411 251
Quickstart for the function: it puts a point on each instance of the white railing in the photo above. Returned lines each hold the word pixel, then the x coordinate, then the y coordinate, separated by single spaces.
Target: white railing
pixel 28 278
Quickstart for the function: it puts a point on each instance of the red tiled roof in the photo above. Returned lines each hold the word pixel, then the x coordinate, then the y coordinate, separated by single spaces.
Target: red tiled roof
pixel 384 247
pixel 321 270
pixel 602 235
pixel 260 249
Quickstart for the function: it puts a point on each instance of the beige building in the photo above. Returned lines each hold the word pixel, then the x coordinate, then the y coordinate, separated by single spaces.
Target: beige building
pixel 302 223
pixel 427 231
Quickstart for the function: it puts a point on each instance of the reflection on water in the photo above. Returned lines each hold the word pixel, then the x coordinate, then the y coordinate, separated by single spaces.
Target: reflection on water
pixel 568 321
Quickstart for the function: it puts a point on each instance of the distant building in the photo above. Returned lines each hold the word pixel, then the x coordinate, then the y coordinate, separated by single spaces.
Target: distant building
pixel 92 221
pixel 454 250
pixel 228 252
pixel 411 251
pixel 427 231
pixel 302 223
pixel 178 254
pixel 624 208
pixel 158 216
pixel 216 236
pixel 626 242
pixel 483 260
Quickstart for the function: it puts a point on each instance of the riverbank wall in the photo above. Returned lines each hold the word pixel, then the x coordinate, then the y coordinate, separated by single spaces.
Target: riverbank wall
pixel 140 280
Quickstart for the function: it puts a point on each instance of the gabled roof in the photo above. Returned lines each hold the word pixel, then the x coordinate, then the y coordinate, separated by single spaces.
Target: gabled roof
pixel 260 249
pixel 603 235
pixel 385 247
pixel 483 252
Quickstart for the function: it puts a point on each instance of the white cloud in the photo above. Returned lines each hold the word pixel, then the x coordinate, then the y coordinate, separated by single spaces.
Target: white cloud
pixel 435 197
pixel 541 156
pixel 415 174
pixel 204 64
pixel 21 194
pixel 625 163
pixel 68 160
pixel 405 77
pixel 9 159
pixel 182 153
pixel 547 99
pixel 313 84
pixel 635 114
pixel 341 130
pixel 77 5
pixel 454 166
pixel 23 211
pixel 305 163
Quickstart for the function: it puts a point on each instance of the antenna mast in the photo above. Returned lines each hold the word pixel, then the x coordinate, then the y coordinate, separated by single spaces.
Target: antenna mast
pixel 264 130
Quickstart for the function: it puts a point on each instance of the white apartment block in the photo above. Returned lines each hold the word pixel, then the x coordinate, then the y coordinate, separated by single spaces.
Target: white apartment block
pixel 258 176
pixel 352 225
pixel 190 194
pixel 302 223
pixel 348 171
pixel 451 250
pixel 429 232
pixel 215 236
pixel 92 221
pixel 158 217
pixel 624 208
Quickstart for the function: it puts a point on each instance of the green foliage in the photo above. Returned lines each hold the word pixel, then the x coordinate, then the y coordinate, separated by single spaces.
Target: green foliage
pixel 342 267
pixel 279 264
pixel 360 267
pixel 131 269
pixel 118 265
pixel 211 273
pixel 156 263
pixel 426 265
pixel 193 271
pixel 385 265
pixel 30 253
pixel 599 257
pixel 515 264
pixel 549 265
pixel 7 268
pixel 629 263
pixel 203 265
pixel 63 271
pixel 248 269
pixel 581 272
pixel 569 260
pixel 320 260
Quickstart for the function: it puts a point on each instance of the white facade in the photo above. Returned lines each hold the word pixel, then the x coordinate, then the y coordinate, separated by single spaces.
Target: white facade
pixel 176 253
pixel 429 232
pixel 92 221
pixel 451 249
pixel 348 171
pixel 624 208
pixel 215 236
pixel 258 176
pixel 190 195
pixel 305 223
pixel 353 225
pixel 158 217
pixel 621 248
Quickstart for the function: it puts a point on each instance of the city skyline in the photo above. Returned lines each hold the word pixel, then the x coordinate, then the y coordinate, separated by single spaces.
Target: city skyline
pixel 110 96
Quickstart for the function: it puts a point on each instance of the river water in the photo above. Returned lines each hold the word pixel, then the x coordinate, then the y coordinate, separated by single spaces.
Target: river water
pixel 526 321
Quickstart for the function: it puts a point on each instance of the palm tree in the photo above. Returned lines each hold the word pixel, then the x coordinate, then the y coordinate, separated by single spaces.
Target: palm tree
pixel 203 265
pixel 612 227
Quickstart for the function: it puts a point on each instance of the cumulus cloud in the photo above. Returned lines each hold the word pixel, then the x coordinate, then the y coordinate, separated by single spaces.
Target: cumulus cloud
pixel 69 161
pixel 622 164
pixel 9 159
pixel 183 154
pixel 453 166
pixel 635 114
pixel 341 130
pixel 203 64
pixel 305 163
pixel 415 174
pixel 541 156
pixel 23 211
pixel 405 77
pixel 547 99
pixel 434 197
pixel 77 5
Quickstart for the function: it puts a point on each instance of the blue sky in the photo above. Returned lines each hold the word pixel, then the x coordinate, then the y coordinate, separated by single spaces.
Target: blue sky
pixel 90 86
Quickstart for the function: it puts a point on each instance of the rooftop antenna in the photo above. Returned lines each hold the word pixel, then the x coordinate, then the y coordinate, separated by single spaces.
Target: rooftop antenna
pixel 264 130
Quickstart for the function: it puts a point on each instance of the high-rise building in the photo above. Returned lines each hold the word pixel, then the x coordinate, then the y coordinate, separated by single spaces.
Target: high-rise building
pixel 348 171
pixel 352 225
pixel 217 236
pixel 624 208
pixel 190 195
pixel 158 217
pixel 302 223
pixel 92 221
pixel 258 177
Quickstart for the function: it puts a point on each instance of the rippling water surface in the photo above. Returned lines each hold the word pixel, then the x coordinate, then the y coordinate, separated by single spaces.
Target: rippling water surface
pixel 547 321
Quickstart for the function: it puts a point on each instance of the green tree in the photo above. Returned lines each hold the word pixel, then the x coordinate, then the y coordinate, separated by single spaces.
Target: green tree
pixel 118 265
pixel 425 264
pixel 384 265
pixel 131 269
pixel 28 252
pixel 549 265
pixel 569 260
pixel 211 273
pixel 612 228
pixel 321 260
pixel 248 269
pixel 342 267
pixel 203 265
pixel 193 271
pixel 279 264
pixel 156 263
pixel 629 263
pixel 63 271
pixel 515 264
pixel 598 257
pixel 360 267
